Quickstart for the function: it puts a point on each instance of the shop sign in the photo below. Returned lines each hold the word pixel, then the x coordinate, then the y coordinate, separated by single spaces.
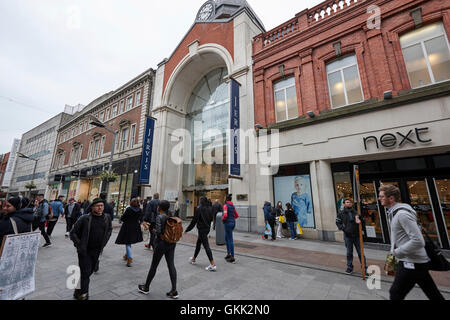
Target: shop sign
pixel 146 161
pixel 390 140
pixel 235 167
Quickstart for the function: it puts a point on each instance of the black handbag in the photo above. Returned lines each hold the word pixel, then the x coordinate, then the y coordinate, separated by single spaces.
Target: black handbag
pixel 438 261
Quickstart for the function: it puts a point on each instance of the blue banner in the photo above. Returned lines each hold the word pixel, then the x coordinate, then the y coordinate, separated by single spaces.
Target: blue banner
pixel 235 167
pixel 147 149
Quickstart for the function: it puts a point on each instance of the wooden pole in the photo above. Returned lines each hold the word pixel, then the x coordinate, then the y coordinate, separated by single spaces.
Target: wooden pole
pixel 358 205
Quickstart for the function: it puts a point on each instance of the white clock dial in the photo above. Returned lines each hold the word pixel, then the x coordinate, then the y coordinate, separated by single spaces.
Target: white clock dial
pixel 205 12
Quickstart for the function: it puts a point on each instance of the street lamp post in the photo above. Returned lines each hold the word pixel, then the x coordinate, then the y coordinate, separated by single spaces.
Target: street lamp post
pixel 100 124
pixel 21 155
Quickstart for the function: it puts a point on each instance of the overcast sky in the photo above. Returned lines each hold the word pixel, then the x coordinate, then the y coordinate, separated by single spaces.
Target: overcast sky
pixel 58 52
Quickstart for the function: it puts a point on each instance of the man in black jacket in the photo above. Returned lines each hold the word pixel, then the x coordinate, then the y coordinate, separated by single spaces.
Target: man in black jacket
pixel 90 234
pixel 202 218
pixel 108 208
pixel 348 221
pixel 72 212
pixel 150 214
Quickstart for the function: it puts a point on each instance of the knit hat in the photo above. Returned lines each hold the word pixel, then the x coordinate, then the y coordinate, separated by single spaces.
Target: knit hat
pixel 16 202
pixel 97 200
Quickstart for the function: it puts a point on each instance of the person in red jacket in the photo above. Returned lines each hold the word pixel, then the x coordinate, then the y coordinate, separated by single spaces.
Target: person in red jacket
pixel 229 220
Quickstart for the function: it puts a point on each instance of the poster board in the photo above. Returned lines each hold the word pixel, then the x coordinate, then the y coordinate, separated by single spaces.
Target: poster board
pixel 18 256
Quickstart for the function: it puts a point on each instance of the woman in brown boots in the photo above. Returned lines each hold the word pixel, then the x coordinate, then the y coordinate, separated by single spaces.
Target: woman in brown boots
pixel 130 232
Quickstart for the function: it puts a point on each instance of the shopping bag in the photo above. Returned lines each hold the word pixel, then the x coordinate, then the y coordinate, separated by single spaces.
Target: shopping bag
pixel 299 230
pixel 282 219
pixel 391 265
pixel 268 230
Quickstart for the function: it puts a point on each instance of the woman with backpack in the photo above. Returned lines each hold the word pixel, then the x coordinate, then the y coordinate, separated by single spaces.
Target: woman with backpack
pixel 202 219
pixel 291 220
pixel 130 232
pixel 163 247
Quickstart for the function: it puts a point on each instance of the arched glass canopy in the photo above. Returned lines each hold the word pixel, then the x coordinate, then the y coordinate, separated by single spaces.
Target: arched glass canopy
pixel 207 120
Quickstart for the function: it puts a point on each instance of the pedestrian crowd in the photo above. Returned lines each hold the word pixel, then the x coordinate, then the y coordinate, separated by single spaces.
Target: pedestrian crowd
pixel 89 226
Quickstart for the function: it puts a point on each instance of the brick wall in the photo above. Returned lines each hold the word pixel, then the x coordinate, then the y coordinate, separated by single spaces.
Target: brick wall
pixel 307 49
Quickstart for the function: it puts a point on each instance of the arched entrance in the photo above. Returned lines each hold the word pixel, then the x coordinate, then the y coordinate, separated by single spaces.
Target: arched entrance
pixel 207 120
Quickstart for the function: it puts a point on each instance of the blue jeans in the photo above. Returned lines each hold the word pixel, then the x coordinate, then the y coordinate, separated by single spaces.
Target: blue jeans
pixel 128 248
pixel 292 226
pixel 351 242
pixel 229 227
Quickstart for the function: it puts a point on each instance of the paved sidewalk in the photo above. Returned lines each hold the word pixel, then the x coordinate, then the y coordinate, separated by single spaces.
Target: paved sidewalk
pixel 264 271
pixel 321 255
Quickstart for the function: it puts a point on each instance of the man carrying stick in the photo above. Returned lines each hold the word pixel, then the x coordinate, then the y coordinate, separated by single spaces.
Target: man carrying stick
pixel 349 221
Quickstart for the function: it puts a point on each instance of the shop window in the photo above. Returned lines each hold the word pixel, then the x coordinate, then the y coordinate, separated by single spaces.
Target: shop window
pixel 285 100
pixel 427 55
pixel 296 190
pixel 344 82
pixel 343 187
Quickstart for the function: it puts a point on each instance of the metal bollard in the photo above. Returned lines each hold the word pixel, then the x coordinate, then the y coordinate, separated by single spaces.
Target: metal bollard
pixel 220 230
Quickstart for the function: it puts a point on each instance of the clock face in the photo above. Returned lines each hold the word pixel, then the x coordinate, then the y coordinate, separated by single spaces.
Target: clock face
pixel 205 11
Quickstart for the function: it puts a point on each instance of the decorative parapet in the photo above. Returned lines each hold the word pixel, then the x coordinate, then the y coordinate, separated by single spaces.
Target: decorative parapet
pixel 304 20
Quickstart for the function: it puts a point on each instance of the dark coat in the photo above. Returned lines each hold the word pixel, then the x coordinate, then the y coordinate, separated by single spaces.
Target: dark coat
pixel 151 211
pixel 130 232
pixel 345 221
pixel 202 216
pixel 23 219
pixel 80 232
pixel 76 212
pixel 268 216
pixel 290 215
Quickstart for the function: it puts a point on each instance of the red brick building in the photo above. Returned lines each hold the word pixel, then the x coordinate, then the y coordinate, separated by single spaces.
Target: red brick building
pixel 360 82
pixel 83 150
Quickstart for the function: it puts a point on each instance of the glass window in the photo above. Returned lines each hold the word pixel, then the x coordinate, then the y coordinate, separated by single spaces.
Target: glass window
pixel 133 135
pixel 285 100
pixel 102 116
pixel 138 98
pixel 122 105
pixel 107 114
pixel 124 139
pixel 427 55
pixel 114 111
pixel 344 82
pixel 343 188
pixel 102 150
pixel 209 105
pixel 130 103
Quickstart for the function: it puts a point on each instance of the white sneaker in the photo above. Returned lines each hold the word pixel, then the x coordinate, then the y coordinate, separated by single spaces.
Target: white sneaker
pixel 192 261
pixel 211 268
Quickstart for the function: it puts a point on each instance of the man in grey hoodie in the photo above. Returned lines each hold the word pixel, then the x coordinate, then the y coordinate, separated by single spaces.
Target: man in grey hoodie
pixel 408 247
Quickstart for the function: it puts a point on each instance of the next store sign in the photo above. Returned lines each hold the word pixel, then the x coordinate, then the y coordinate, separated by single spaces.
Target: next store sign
pixel 391 140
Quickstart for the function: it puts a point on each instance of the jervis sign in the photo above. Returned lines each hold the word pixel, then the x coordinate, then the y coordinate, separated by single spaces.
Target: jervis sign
pixel 398 139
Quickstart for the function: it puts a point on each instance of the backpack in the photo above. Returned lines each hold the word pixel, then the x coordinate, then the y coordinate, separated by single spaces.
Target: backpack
pixel 173 230
pixel 437 260
pixel 50 213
